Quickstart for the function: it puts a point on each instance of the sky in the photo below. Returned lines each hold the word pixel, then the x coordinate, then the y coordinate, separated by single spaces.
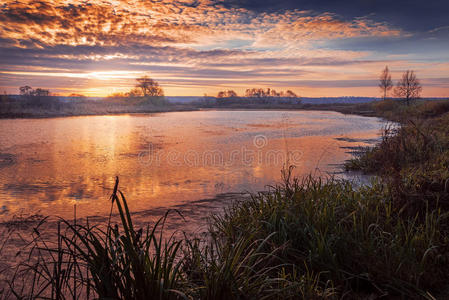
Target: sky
pixel 316 48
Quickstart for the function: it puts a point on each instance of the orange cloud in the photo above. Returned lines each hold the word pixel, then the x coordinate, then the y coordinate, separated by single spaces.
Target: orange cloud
pixel 106 23
pixel 192 47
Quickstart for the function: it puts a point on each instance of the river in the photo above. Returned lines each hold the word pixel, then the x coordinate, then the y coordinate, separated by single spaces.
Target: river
pixel 166 160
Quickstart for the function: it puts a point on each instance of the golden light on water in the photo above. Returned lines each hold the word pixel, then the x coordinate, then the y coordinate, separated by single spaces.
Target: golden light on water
pixel 165 159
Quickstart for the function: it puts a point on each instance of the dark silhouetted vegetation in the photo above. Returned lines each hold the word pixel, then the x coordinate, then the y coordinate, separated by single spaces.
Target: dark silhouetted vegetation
pixel 28 91
pixel 147 87
pixel 253 98
pixel 227 94
pixel 146 97
pixel 146 92
pixel 261 93
pixel 258 93
pixel 37 99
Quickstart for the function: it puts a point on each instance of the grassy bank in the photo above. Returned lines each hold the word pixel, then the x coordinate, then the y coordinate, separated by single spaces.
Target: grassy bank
pixel 310 238
pixel 413 157
pixel 305 239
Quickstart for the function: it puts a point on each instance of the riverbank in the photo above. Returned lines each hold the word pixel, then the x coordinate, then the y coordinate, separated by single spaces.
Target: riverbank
pixel 104 108
pixel 51 107
pixel 309 238
pixel 89 109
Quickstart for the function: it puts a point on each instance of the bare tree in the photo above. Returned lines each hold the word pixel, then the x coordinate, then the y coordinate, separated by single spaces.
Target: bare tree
pixel 409 87
pixel 385 83
pixel 149 87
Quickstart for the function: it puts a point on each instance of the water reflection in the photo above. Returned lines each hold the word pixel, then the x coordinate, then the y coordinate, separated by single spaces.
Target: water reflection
pixel 164 160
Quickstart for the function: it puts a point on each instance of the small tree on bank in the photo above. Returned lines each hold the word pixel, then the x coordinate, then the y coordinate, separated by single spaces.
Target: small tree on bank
pixel 385 83
pixel 409 87
pixel 148 87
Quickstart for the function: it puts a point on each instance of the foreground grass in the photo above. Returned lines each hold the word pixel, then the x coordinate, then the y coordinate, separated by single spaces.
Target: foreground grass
pixel 305 239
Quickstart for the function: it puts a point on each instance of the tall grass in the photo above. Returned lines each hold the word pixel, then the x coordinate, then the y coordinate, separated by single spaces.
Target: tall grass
pixel 357 239
pixel 413 159
pixel 116 262
pixel 305 239
pixel 125 263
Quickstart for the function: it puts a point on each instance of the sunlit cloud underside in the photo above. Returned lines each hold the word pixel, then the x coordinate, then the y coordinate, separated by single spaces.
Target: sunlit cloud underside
pixel 200 47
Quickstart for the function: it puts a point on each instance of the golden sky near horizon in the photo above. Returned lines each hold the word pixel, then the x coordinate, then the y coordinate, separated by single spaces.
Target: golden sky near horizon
pixel 201 47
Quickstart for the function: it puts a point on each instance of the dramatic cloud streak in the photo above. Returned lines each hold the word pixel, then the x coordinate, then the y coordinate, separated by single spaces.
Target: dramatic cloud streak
pixel 193 47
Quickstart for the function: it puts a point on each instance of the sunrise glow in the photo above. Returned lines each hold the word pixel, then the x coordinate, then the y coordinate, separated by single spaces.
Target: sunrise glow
pixel 200 47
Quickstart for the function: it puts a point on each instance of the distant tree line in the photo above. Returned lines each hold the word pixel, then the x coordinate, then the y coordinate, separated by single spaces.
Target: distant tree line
pixel 38 99
pixel 258 93
pixel 29 91
pixel 227 94
pixel 261 93
pixel 253 97
pixel 408 87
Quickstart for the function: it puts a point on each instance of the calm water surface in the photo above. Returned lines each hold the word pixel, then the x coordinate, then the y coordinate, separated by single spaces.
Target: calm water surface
pixel 165 160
